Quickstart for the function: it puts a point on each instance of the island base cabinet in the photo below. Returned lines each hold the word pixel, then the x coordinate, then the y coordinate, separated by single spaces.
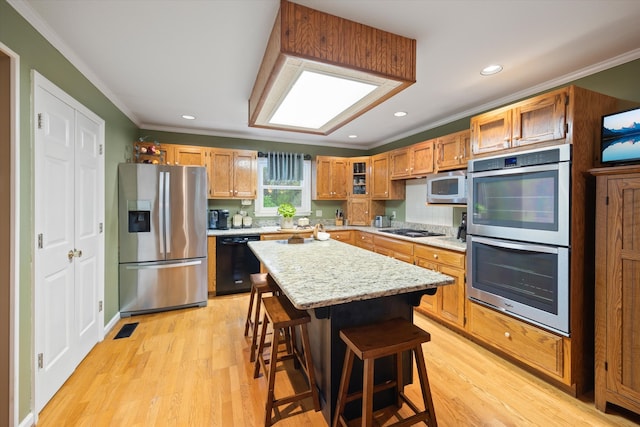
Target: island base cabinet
pixel 536 348
pixel 329 350
pixel 617 334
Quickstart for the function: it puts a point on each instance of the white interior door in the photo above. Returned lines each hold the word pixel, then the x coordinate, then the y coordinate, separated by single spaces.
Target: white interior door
pixel 69 255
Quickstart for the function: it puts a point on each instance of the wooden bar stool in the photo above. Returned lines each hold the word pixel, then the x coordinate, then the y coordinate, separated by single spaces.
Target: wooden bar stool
pixel 371 342
pixel 260 285
pixel 284 318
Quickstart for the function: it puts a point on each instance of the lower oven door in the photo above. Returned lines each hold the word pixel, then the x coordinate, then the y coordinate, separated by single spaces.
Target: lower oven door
pixel 527 280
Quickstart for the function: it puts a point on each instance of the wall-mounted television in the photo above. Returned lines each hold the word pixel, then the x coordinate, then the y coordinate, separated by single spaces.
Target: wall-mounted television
pixel 620 142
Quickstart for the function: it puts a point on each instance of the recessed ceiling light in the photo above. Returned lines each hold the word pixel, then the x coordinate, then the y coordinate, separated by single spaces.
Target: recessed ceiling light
pixel 400 113
pixel 188 117
pixel 352 136
pixel 491 69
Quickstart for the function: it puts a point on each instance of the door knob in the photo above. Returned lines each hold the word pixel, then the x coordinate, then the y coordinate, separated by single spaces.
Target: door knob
pixel 72 253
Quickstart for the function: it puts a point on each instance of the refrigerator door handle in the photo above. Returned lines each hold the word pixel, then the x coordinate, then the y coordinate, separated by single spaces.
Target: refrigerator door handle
pixel 163 266
pixel 161 210
pixel 167 228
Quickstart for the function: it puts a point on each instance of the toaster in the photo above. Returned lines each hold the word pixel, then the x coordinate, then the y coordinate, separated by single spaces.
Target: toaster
pixel 382 221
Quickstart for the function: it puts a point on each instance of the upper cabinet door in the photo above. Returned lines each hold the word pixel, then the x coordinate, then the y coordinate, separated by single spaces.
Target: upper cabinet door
pixel 400 163
pixel 188 155
pixel 220 170
pixel 422 163
pixel 330 178
pixel 540 119
pixel 491 131
pixel 245 174
pixel 452 151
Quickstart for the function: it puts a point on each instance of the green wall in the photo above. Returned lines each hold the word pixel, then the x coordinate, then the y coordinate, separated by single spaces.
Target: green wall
pixel 36 53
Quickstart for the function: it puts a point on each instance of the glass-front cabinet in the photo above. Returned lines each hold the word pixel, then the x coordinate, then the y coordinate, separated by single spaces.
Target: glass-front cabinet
pixel 359 179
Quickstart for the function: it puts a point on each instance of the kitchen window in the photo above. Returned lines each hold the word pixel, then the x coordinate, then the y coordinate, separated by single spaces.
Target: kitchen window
pixel 272 193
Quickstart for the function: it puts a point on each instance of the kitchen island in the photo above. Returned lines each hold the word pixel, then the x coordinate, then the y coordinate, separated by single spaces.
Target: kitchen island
pixel 341 285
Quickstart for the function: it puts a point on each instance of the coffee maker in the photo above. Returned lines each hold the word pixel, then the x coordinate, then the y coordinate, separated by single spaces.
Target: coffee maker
pixel 462 228
pixel 218 219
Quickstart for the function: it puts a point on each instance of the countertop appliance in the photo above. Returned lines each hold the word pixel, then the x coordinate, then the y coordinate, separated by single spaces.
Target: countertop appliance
pixel 218 219
pixel 162 214
pixel 447 187
pixel 213 219
pixel 381 221
pixel 462 228
pixel 235 262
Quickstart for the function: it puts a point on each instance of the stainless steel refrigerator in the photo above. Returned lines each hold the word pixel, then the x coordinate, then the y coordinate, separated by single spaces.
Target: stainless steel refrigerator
pixel 162 215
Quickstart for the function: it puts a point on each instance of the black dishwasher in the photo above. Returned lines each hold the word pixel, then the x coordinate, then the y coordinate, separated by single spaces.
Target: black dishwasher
pixel 234 263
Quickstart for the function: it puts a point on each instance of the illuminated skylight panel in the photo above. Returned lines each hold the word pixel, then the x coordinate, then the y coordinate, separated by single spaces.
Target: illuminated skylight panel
pixel 316 98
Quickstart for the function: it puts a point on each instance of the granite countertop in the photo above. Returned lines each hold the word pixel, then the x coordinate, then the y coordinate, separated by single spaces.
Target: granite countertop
pixel 445 242
pixel 318 274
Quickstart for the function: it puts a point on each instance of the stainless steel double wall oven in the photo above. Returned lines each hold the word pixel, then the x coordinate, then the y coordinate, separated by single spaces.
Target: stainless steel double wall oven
pixel 518 242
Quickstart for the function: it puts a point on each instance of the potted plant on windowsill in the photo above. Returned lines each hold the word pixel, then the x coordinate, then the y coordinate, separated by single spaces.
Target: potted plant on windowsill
pixel 287 211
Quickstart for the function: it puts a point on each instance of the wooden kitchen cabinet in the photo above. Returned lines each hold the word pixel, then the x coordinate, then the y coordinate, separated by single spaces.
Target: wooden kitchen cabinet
pixel 330 178
pixel 359 177
pixel 211 265
pixel 452 151
pixel 363 240
pixel 535 120
pixel 395 248
pixel 232 173
pixel 189 155
pixel 345 236
pixel 163 156
pixel 363 211
pixel 448 303
pixel 413 161
pixel 382 187
pixel 617 298
pixel 534 346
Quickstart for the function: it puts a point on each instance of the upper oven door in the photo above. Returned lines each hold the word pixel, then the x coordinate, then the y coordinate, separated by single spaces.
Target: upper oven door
pixel 528 204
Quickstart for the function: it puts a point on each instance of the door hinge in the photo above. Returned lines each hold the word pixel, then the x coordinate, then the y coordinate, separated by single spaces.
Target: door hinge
pixel 566 128
pixel 40 241
pixel 39 120
pixel 606 366
pixel 100 149
pixel 606 201
pixel 40 361
pixel 100 228
pixel 99 306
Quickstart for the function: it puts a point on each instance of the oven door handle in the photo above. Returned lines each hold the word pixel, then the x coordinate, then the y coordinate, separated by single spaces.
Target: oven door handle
pixel 529 247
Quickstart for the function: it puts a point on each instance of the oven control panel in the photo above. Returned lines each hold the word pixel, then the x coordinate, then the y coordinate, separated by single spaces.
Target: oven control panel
pixel 526 158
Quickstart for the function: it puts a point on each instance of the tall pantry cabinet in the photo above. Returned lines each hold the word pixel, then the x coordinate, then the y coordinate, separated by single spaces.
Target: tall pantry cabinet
pixel 617 299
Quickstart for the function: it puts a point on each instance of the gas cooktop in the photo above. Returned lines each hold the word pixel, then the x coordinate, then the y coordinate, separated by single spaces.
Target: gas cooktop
pixel 408 232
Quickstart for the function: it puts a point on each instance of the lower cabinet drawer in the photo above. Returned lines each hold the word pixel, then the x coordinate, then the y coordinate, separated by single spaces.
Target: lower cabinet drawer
pixel 532 345
pixel 342 235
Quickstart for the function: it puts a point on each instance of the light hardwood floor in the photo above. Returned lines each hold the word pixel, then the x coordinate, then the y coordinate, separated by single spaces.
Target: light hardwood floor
pixel 191 368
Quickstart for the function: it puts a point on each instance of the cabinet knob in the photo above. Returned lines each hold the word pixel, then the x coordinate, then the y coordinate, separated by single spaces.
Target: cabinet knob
pixel 435 256
pixel 507 335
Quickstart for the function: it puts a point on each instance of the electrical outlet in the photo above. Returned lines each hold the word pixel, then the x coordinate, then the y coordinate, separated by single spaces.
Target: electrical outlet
pixel 393 215
pixel 319 213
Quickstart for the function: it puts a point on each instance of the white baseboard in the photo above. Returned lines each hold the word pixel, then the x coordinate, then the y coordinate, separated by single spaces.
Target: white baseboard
pixel 112 323
pixel 28 421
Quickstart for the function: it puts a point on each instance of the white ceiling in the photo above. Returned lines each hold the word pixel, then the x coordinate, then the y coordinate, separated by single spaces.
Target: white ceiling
pixel 159 59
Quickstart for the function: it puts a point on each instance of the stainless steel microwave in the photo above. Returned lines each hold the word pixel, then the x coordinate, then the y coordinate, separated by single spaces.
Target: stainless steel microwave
pixel 447 187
